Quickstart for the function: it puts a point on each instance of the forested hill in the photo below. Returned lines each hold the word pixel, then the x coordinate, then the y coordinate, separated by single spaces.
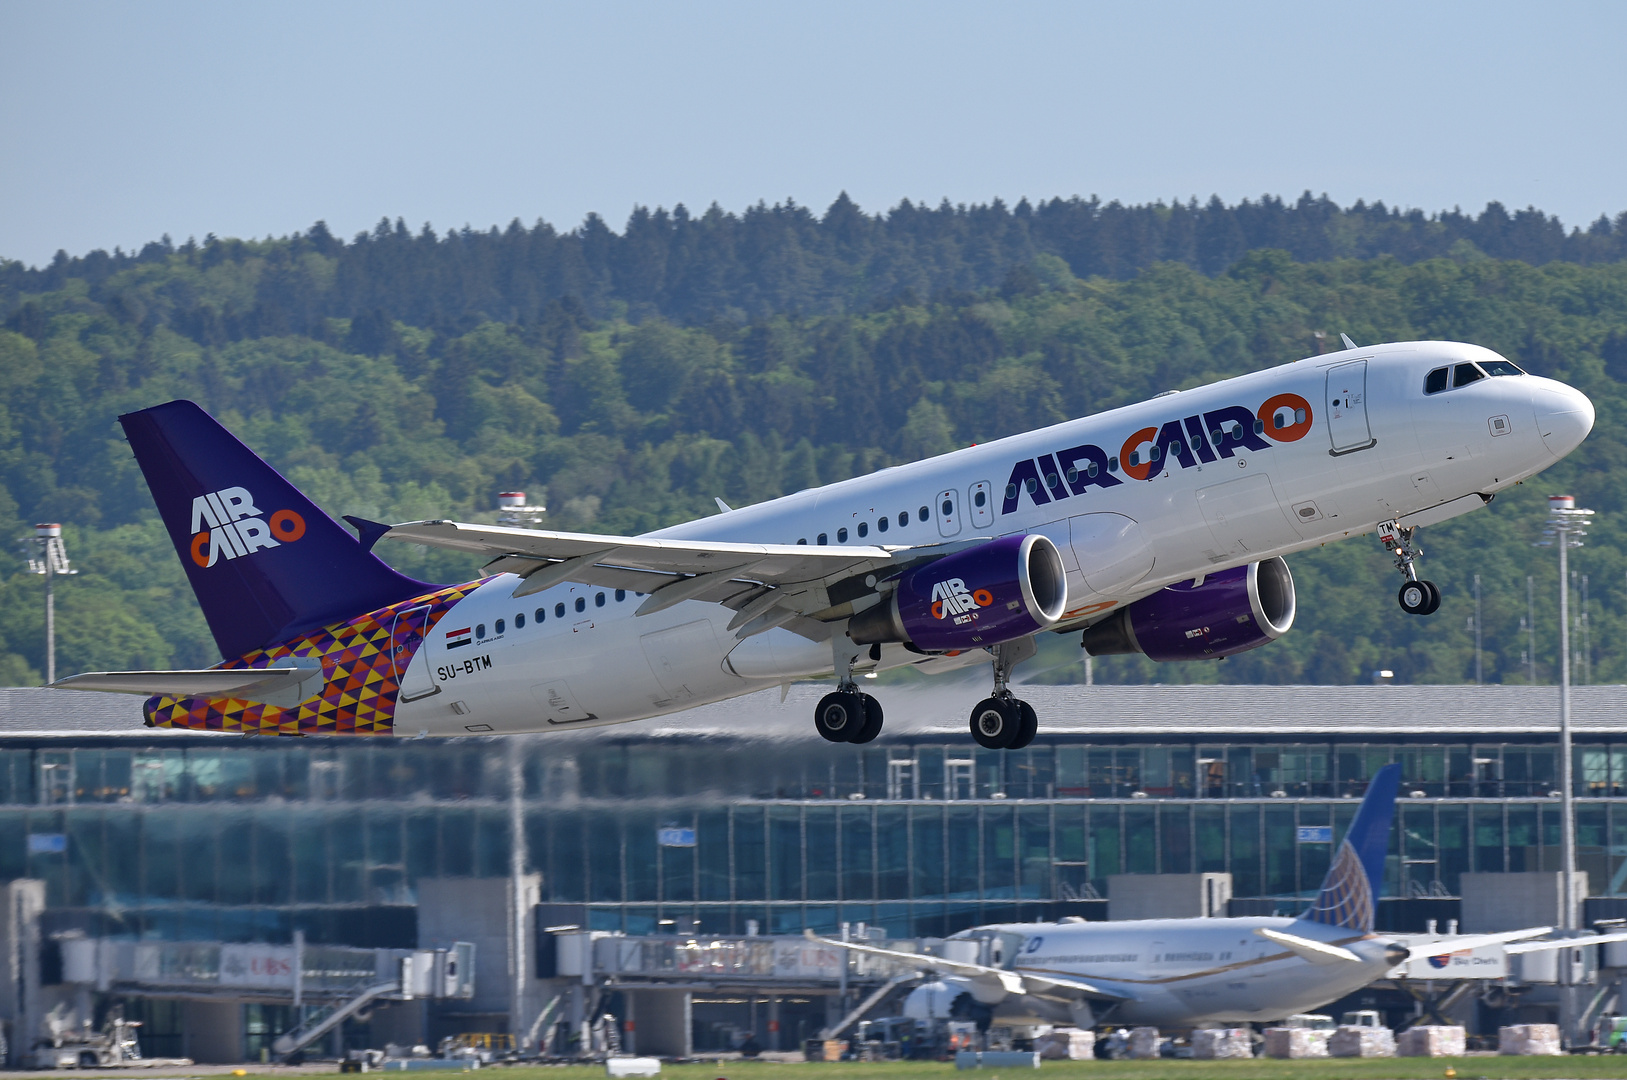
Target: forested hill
pixel 626 420
pixel 765 261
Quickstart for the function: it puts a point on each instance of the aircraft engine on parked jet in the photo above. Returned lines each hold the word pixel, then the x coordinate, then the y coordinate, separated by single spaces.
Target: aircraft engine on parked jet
pixel 1228 612
pixel 995 592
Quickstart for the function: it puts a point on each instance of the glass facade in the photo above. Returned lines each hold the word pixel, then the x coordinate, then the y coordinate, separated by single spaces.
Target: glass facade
pixel 248 839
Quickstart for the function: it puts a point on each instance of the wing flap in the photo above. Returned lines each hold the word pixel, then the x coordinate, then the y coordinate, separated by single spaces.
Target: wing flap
pixel 774 563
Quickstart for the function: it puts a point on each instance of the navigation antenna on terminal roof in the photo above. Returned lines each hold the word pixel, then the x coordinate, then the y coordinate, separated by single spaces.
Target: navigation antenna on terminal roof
pixel 513 511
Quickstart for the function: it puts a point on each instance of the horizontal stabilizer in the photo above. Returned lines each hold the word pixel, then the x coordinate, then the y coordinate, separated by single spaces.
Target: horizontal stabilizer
pixel 1317 952
pixel 288 684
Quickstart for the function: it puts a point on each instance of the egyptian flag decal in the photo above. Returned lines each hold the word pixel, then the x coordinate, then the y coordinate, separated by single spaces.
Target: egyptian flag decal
pixel 454 638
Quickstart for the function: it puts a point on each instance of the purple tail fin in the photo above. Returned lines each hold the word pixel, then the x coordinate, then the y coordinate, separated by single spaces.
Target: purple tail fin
pixel 264 561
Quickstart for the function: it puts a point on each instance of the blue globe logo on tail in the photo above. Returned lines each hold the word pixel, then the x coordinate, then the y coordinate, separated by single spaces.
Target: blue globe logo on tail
pixel 1351 889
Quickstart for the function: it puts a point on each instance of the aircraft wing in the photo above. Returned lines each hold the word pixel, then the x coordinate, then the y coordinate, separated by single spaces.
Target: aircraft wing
pixel 1563 943
pixel 767 584
pixel 1012 982
pixel 1475 941
pixel 285 685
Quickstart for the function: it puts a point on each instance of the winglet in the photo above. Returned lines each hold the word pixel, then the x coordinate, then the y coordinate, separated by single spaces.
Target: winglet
pixel 1348 343
pixel 1353 883
pixel 368 533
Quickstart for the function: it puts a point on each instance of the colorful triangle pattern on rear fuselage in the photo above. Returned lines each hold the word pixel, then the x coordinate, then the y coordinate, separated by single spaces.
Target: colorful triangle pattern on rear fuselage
pixel 359 663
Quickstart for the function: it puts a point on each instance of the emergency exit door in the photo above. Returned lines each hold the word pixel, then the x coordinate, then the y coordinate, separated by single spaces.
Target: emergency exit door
pixel 409 656
pixel 1347 408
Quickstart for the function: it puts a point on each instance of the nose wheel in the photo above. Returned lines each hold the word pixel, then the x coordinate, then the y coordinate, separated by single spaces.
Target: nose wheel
pixel 1417 597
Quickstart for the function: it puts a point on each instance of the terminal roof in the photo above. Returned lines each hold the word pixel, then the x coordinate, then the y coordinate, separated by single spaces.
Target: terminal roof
pixel 937 710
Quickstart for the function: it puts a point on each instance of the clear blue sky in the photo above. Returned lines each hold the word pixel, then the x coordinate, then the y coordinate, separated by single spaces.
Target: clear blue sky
pixel 123 121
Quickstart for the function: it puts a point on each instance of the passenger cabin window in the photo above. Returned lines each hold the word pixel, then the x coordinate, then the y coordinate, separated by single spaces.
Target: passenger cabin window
pixel 598 599
pixel 1464 374
pixel 841 535
pixel 864 529
pixel 621 594
pixel 499 626
pixel 1500 366
pixel 903 519
pixel 1112 464
pixel 559 611
pixel 980 497
pixel 480 630
pixel 881 523
pixel 924 514
pixel 1435 381
pixel 542 615
pixel 803 541
pixel 822 541
pixel 581 603
pixel 519 621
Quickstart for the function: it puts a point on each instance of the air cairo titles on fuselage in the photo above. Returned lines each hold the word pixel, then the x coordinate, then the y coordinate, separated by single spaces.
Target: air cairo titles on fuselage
pixel 1189 441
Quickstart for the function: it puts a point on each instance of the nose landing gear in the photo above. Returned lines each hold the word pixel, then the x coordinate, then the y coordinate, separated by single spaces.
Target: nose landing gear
pixel 1416 597
pixel 1004 721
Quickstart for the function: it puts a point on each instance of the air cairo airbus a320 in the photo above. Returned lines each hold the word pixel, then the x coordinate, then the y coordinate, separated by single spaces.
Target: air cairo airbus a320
pixel 1156 528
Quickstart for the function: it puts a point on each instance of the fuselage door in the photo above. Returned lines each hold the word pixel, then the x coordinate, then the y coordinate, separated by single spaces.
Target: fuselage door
pixel 982 496
pixel 1347 407
pixel 409 654
pixel 948 511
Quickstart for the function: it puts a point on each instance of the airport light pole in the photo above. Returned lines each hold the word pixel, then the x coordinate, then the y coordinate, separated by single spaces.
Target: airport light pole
pixel 53 561
pixel 1564 530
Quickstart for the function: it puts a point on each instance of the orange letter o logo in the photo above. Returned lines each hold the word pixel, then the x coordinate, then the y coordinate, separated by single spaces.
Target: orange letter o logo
pixel 983 597
pixel 197 548
pixel 287 526
pixel 1299 417
pixel 1144 469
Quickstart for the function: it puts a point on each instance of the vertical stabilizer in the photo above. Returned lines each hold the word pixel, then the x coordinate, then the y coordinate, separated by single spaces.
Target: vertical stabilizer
pixel 1350 891
pixel 264 561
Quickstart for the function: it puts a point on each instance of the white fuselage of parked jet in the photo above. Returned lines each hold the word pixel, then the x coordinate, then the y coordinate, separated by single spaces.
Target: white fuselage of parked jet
pixel 1175 973
pixel 1352 441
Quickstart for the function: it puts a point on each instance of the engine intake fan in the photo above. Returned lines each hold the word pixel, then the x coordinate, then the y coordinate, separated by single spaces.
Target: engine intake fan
pixel 992 593
pixel 1231 612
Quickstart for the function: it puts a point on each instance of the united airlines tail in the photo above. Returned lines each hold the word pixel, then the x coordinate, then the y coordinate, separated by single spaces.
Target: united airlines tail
pixel 1354 881
pixel 264 561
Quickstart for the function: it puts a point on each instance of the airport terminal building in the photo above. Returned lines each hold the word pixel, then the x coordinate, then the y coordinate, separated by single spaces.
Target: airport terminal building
pixel 736 819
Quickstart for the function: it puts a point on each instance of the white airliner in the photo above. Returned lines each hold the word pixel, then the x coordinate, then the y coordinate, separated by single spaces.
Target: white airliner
pixel 1182 973
pixel 1156 528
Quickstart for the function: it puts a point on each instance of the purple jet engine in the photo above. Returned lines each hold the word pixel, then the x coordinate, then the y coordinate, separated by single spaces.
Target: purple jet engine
pixel 1230 612
pixel 995 592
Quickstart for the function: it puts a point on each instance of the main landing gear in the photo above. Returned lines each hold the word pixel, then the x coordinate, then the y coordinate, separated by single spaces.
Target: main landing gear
pixel 1416 597
pixel 1004 721
pixel 847 715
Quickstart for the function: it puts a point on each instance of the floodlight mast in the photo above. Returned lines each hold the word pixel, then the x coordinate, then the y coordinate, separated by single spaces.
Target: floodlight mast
pixel 53 561
pixel 1564 530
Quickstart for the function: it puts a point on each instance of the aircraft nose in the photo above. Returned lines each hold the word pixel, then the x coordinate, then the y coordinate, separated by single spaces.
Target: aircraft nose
pixel 1564 416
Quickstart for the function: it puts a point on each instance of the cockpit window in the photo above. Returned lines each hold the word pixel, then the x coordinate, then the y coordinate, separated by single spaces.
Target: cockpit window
pixel 1500 366
pixel 1435 381
pixel 1464 374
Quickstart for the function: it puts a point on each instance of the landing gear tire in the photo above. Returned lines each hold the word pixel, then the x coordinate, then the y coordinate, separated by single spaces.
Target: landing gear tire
pixel 840 715
pixel 1029 728
pixel 997 723
pixel 1419 597
pixel 871 727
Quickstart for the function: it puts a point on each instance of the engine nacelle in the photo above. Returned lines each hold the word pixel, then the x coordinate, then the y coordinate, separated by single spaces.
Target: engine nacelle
pixel 995 592
pixel 1231 612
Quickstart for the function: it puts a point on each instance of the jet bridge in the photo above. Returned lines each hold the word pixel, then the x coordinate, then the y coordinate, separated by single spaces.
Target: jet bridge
pixel 326 984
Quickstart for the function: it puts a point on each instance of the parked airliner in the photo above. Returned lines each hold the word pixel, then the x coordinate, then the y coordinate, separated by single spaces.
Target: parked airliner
pixel 1182 973
pixel 1157 528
